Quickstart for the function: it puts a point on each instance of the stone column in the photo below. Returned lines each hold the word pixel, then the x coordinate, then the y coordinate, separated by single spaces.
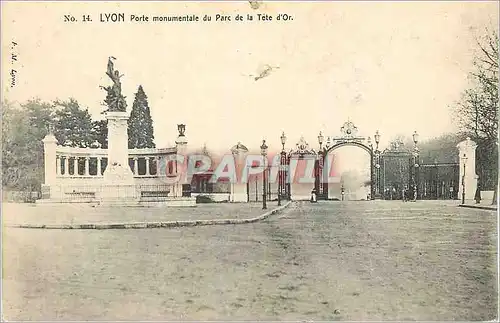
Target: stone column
pixel 118 170
pixel 75 166
pixel 58 165
pixel 87 166
pixel 157 165
pixel 181 147
pixel 147 159
pixel 238 185
pixel 136 166
pixel 468 177
pixel 99 171
pixel 66 165
pixel 49 148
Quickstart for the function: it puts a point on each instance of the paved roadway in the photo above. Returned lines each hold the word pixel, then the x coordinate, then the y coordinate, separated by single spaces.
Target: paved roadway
pixel 376 260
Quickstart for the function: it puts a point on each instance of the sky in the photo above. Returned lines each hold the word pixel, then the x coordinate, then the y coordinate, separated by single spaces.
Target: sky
pixel 395 67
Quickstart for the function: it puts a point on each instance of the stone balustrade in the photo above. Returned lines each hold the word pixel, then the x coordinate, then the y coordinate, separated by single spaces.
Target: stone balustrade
pixel 91 163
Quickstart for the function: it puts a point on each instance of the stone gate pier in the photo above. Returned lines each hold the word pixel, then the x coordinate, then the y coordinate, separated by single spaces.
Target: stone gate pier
pixel 468 176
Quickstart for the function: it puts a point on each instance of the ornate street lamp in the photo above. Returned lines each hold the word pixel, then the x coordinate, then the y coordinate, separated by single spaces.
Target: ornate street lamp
pixel 263 151
pixel 283 141
pixel 280 170
pixel 319 185
pixel 377 139
pixel 463 179
pixel 415 166
pixel 415 138
pixel 320 139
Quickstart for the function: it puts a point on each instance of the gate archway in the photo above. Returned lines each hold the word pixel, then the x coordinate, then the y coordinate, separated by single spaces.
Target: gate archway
pixel 378 165
pixel 301 153
pixel 349 137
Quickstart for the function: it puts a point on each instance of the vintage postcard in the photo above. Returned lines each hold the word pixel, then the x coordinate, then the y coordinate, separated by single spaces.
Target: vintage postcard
pixel 249 160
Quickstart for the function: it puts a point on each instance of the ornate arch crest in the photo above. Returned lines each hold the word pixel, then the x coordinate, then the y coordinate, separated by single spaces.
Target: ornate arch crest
pixel 349 130
pixel 349 134
pixel 302 148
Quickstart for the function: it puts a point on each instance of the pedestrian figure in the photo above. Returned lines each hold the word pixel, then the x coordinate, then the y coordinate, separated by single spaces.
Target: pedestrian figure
pixel 313 196
pixel 477 196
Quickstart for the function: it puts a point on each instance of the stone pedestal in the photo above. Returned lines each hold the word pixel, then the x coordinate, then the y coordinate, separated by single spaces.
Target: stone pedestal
pixel 120 193
pixel 468 176
pixel 118 185
pixel 239 185
pixel 50 164
pixel 118 171
pixel 181 147
pixel 239 193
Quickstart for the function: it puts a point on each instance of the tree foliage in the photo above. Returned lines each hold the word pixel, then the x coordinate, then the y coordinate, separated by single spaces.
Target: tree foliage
pixel 442 149
pixel 477 111
pixel 73 125
pixel 100 131
pixel 140 123
pixel 23 129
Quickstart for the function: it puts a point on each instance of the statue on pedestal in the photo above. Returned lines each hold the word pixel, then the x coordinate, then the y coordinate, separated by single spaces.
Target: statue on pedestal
pixel 114 98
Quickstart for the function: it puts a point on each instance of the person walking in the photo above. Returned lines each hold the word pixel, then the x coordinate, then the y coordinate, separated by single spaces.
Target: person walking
pixel 477 196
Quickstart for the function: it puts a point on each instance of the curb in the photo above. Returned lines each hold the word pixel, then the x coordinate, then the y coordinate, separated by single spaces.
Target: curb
pixel 489 208
pixel 150 225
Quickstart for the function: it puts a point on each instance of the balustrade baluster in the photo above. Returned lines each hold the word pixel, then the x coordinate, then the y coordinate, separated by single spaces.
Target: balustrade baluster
pixel 136 172
pixel 87 166
pixel 99 167
pixel 66 165
pixel 58 165
pixel 75 166
pixel 147 166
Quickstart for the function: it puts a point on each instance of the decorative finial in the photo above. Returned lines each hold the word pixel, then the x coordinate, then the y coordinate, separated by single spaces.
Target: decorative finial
pixel 181 128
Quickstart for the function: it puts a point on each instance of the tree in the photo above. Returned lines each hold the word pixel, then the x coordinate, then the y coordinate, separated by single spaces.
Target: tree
pixel 442 149
pixel 477 111
pixel 140 123
pixel 100 132
pixel 23 129
pixel 74 126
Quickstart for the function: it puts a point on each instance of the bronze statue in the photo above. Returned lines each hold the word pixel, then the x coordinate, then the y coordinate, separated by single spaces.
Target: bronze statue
pixel 114 98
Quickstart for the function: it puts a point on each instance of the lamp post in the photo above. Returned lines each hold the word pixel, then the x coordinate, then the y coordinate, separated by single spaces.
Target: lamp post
pixel 415 166
pixel 463 179
pixel 281 178
pixel 377 139
pixel 320 140
pixel 377 162
pixel 319 182
pixel 263 151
